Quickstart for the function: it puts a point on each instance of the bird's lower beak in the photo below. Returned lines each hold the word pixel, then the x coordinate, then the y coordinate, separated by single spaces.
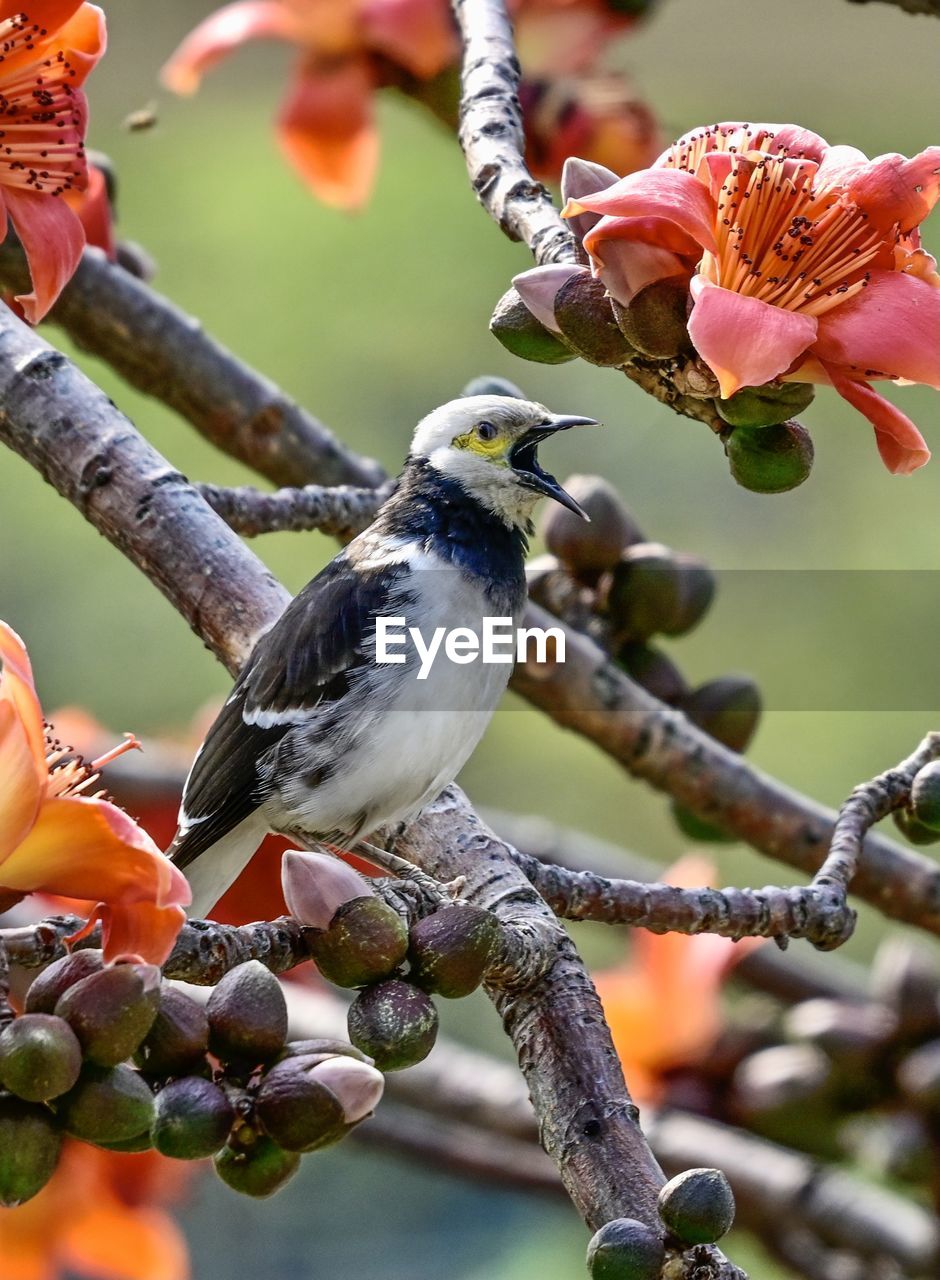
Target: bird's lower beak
pixel 525 463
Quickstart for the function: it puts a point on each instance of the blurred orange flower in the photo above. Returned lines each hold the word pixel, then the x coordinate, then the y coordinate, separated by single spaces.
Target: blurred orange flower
pixel 48 50
pixel 101 1216
pixel 663 1002
pixel 55 840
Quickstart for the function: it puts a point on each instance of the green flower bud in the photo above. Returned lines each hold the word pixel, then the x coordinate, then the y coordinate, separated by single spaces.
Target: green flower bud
pixel 46 989
pixel 394 1022
pixel 728 709
pixel 917 832
pixel 192 1118
pixel 109 1104
pixel 179 1038
pixel 625 1250
pixel 697 1206
pixel 587 549
pixel 656 320
pixel 780 1085
pixel 654 589
pixel 258 1171
pixel 651 668
pixel 766 406
pixel 588 324
pixel 129 1146
pixel 770 459
pixel 40 1057
pixel 450 949
pixel 696 828
pixel 111 1011
pixel 247 1015
pixel 366 940
pixel 925 795
pixel 514 325
pixel 295 1109
pixel 30 1142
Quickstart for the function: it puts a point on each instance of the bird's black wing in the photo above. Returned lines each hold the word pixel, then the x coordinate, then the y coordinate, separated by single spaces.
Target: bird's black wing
pixel 304 660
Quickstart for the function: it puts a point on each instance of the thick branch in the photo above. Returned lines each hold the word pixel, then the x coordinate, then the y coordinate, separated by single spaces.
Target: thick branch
pixel 341 510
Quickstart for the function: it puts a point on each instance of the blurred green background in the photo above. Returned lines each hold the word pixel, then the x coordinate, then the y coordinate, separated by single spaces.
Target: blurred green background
pixel 372 320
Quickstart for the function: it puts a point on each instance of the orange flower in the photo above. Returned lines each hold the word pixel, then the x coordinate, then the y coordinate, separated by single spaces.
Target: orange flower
pixel 663 1003
pixel 46 51
pixel 99 1216
pixel 325 127
pixel 55 840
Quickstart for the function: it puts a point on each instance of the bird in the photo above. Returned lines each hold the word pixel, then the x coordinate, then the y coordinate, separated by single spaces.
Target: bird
pixel 319 740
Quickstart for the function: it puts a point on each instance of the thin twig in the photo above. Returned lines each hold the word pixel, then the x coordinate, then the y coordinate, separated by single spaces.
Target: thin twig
pixel 340 510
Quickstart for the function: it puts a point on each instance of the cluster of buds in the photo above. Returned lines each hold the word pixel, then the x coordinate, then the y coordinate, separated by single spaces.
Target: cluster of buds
pixel 606 579
pixel 695 1208
pixel 357 940
pixel 919 819
pixel 111 1055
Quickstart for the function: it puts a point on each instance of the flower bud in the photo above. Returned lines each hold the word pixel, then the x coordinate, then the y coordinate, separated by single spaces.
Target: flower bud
pixel 651 668
pixel 192 1118
pixel 179 1038
pixel 654 589
pixel 45 990
pixel 257 1171
pixel 697 1206
pixel 112 1011
pixel 588 324
pixel 40 1057
pixel 625 1250
pixel 925 795
pixel 451 948
pixel 316 885
pixel 770 459
pixel 918 1077
pixel 514 325
pixel 366 940
pixel 490 384
pixel 655 321
pixel 587 549
pixel 785 1091
pixel 394 1022
pixel 696 828
pixel 727 709
pixel 128 1146
pixel 323 1047
pixel 308 1103
pixel 915 831
pixel 30 1142
pixel 766 406
pixel 109 1104
pixel 905 976
pixel 849 1033
pixel 247 1015
pixel 357 1085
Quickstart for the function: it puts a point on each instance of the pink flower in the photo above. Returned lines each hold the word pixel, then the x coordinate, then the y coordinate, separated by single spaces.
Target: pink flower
pixel 803 261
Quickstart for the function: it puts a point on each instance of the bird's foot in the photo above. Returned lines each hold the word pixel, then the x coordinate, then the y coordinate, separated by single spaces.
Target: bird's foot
pixel 401 869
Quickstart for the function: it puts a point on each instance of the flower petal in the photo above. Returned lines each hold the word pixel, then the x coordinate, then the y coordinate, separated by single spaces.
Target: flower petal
pixel 138 931
pixel 84 39
pixel 581 177
pixel 21 783
pixel 538 288
pixel 326 131
pixel 745 342
pixel 420 35
pixel 903 449
pixel 94 212
pixel 891 329
pixel 892 189
pixel 627 266
pixel 110 1240
pixel 17 688
pixel 52 238
pixel 838 166
pixel 668 194
pixel 223 31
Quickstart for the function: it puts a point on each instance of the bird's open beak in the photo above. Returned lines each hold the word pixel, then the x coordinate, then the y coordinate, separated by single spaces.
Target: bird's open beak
pixel 524 460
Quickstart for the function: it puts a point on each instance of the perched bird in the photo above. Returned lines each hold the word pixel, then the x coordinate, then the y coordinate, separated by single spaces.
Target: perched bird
pixel 320 741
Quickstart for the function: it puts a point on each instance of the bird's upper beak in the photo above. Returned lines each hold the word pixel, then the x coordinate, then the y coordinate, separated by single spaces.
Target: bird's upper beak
pixel 524 460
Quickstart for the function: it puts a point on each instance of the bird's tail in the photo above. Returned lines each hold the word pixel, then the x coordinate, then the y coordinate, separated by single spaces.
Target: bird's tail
pixel 211 873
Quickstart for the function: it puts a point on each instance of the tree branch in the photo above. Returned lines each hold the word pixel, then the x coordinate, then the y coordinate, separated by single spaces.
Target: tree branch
pixel 341 511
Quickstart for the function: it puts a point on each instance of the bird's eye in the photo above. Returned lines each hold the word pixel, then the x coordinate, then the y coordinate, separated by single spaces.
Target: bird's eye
pixel 486 431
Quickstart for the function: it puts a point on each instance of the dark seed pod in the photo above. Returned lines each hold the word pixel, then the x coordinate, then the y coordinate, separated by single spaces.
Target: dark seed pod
pixel 767 406
pixel 728 709
pixel 656 320
pixel 915 831
pixel 129 1146
pixel 40 1057
pixel 296 1110
pixel 770 459
pixel 925 796
pixel 258 1171
pixel 179 1038
pixel 905 976
pixel 514 325
pixel 587 549
pixel 849 1033
pixel 366 940
pixel 451 948
pixel 651 668
pixel 918 1077
pixel 588 324
pixel 323 1048
pixel 656 590
pixel 247 1015
pixel 111 1011
pixel 109 1104
pixel 394 1022
pixel 30 1142
pixel 192 1118
pixel 697 1206
pixel 625 1250
pixel 696 828
pixel 46 989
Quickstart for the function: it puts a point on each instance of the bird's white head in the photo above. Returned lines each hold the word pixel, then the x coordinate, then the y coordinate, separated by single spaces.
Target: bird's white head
pixel 489 445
